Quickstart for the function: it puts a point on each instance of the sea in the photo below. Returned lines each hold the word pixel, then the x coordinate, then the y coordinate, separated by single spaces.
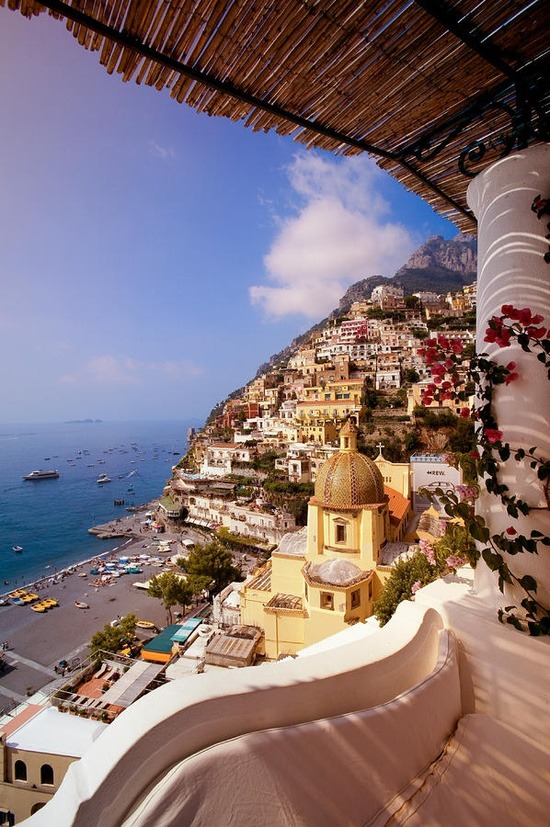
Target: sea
pixel 49 519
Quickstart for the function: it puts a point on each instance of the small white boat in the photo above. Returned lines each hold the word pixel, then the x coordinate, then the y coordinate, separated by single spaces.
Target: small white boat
pixel 17 549
pixel 81 605
pixel 102 479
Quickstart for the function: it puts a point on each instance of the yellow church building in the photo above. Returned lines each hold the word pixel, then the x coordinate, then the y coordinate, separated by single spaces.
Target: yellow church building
pixel 327 575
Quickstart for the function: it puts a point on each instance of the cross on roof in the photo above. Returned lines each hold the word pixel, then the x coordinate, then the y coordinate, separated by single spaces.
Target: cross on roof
pixel 380 446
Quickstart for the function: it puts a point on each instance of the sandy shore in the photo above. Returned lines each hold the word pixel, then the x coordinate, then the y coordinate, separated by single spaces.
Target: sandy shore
pixel 38 641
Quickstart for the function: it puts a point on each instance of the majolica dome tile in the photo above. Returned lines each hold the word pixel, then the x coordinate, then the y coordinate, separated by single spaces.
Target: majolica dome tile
pixel 348 479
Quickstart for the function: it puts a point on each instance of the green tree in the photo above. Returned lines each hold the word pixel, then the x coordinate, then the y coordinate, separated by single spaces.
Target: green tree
pixel 212 566
pixel 172 589
pixel 113 638
pixel 462 438
pixel 404 574
pixel 411 376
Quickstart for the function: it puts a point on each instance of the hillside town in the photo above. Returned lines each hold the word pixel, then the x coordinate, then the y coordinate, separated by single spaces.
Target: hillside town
pixel 314 476
pixel 272 437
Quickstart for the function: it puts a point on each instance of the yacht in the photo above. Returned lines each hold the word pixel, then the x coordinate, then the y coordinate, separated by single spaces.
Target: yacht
pixel 42 475
pixel 102 479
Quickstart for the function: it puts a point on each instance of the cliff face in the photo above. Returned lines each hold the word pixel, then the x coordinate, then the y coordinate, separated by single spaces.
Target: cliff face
pixel 438 265
pixel 455 260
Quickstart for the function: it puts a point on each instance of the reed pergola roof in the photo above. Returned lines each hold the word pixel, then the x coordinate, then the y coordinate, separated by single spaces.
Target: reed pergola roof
pixel 434 90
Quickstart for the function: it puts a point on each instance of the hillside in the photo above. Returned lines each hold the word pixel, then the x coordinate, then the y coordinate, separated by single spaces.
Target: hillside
pixel 438 265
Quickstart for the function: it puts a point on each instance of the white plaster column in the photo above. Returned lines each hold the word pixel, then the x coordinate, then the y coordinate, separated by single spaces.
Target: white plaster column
pixel 512 270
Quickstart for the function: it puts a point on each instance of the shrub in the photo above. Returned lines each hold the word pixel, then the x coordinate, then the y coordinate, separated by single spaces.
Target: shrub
pixel 399 586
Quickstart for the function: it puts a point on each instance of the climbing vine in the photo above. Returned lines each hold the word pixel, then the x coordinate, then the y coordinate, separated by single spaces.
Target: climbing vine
pixel 453 379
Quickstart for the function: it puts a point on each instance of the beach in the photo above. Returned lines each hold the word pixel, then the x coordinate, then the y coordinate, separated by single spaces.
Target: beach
pixel 38 641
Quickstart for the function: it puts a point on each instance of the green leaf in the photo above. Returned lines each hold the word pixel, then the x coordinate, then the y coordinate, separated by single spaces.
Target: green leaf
pixel 528 583
pixel 479 532
pixel 493 561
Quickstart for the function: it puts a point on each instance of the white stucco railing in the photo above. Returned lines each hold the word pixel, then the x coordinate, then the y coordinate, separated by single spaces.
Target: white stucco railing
pixel 184 717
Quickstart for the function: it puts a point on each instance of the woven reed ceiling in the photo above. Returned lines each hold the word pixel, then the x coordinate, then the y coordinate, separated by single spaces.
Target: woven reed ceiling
pixel 414 82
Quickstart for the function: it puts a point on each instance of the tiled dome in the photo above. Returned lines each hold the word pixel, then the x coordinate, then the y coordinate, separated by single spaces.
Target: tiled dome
pixel 348 479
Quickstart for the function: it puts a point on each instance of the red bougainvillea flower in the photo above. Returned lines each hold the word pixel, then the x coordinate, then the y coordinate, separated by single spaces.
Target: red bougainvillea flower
pixel 525 316
pixel 492 435
pixel 490 335
pixel 503 339
pixel 465 413
pixel 474 454
pixel 536 332
pixel 511 530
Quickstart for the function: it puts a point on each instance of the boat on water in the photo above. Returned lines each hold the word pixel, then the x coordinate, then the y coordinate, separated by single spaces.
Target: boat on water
pixel 39 474
pixel 102 479
pixel 80 604
pixel 17 549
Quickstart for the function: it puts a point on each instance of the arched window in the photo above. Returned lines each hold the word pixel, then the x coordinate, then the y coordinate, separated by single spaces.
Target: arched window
pixel 46 774
pixel 20 771
pixel 38 806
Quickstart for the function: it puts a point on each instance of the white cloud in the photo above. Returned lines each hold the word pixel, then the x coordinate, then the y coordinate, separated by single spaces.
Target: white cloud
pixel 158 151
pixel 340 232
pixel 123 371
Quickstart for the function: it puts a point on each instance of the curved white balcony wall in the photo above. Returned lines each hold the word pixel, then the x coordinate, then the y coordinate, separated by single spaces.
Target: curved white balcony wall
pixel 184 717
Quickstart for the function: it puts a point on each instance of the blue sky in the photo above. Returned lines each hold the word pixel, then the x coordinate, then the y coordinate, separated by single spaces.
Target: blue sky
pixel 151 258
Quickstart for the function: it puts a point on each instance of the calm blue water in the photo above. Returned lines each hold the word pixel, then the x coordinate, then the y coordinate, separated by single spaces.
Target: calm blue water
pixel 50 518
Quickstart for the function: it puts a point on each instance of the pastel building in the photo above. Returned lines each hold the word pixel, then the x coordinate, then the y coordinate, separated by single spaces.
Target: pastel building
pixel 36 749
pixel 326 576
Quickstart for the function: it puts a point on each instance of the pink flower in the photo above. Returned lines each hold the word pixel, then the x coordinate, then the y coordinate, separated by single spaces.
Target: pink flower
pixel 415 586
pixel 427 551
pixel 466 493
pixel 511 530
pixel 492 435
pixel 454 561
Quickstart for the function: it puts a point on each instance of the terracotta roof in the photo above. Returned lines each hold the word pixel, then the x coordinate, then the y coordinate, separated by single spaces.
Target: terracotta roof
pixel 398 504
pixel 432 89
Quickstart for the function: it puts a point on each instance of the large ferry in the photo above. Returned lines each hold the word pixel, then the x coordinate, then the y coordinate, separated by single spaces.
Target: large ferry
pixel 42 475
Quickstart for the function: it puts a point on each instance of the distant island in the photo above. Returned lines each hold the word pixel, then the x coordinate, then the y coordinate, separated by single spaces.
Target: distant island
pixel 81 421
